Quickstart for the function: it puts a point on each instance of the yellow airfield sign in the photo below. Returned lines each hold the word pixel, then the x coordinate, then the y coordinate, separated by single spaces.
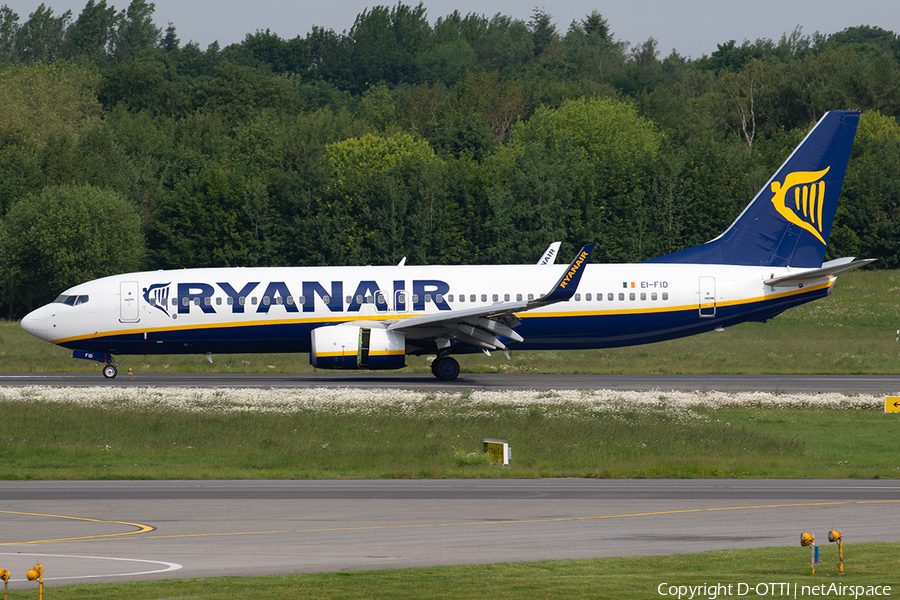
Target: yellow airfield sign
pixel 892 404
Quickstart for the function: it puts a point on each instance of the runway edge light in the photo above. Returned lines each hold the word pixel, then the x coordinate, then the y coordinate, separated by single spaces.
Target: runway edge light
pixel 892 404
pixel 37 573
pixel 4 575
pixel 836 536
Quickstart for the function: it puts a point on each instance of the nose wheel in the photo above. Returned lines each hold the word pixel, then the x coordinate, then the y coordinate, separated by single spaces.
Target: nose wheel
pixel 110 371
pixel 445 368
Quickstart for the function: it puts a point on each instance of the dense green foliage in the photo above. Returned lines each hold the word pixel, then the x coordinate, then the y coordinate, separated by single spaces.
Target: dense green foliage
pixel 471 139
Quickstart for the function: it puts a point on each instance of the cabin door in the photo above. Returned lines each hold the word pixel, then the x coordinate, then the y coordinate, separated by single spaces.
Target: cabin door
pixel 129 303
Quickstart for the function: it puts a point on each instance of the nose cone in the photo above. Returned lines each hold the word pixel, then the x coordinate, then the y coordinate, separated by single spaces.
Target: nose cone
pixel 35 323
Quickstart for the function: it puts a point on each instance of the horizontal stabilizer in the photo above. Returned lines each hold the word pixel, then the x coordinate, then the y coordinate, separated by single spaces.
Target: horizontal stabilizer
pixel 832 267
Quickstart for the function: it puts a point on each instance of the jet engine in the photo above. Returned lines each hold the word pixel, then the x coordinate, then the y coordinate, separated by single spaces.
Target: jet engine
pixel 357 347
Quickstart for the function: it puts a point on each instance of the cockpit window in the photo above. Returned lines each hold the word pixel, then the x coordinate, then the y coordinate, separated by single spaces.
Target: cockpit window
pixel 71 300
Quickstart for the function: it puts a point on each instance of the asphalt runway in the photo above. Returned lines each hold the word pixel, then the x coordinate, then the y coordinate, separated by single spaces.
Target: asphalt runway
pixel 810 384
pixel 94 531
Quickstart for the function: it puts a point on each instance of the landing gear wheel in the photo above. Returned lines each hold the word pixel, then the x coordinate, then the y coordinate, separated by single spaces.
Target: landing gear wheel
pixel 445 368
pixel 110 371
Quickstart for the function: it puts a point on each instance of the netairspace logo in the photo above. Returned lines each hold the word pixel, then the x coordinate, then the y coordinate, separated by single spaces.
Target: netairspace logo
pixel 771 590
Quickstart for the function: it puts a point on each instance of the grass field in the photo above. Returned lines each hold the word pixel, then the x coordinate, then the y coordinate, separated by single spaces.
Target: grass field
pixel 111 433
pixel 852 331
pixel 763 572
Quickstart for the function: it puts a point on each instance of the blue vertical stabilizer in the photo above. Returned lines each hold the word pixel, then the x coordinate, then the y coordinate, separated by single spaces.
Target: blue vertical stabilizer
pixel 789 221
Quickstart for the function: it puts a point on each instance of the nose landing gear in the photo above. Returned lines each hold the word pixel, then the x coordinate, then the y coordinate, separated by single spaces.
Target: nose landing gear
pixel 111 370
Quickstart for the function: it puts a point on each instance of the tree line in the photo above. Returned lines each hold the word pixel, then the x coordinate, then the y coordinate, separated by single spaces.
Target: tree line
pixel 472 140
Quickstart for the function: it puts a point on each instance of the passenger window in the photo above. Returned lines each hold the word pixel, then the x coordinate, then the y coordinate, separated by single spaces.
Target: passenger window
pixel 665 295
pixel 449 297
pixel 415 298
pixel 325 299
pixel 496 298
pixel 253 300
pixel 506 297
pixel 152 301
pixel 359 299
pixel 518 297
pixel 279 300
pixel 379 297
pixel 530 297
pixel 229 301
pixel 631 296
pixel 219 301
pixel 349 299
pixel 621 296
pixel 439 299
pixel 484 297
pixel 471 297
pixel 653 296
pixel 587 297
pixel 185 301
pixel 289 300
pixel 427 298
pixel 462 297
pixel 643 295
pixel 207 301
pixel 174 301
pixel 577 297
pixel 302 299
pixel 242 300
pixel 610 297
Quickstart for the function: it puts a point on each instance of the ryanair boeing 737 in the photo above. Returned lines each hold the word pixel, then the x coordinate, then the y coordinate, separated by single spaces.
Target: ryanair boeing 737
pixel 770 259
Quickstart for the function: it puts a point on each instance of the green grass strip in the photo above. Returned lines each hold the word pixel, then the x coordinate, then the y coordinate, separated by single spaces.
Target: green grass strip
pixel 740 573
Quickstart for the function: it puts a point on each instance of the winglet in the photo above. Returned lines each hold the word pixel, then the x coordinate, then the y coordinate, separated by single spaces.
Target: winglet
pixel 568 283
pixel 549 256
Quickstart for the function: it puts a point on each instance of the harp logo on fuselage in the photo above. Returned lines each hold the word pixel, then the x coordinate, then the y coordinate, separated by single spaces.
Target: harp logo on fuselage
pixel 801 200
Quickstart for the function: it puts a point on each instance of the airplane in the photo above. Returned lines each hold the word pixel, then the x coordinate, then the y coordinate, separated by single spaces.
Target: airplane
pixel 769 260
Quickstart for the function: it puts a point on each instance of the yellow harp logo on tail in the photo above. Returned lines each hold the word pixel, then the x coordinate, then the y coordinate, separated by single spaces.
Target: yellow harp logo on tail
pixel 804 208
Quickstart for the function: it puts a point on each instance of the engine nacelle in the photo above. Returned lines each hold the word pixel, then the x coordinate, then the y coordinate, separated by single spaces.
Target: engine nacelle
pixel 355 347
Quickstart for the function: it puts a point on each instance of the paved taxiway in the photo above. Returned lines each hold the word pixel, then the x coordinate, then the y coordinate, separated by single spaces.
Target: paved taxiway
pixel 125 530
pixel 810 384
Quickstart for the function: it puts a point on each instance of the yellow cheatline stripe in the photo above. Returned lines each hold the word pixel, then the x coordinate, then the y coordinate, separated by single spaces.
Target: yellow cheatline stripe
pixel 396 317
pixel 493 523
pixel 140 529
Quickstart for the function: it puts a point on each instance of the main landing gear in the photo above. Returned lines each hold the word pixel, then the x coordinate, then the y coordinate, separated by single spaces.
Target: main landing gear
pixel 445 368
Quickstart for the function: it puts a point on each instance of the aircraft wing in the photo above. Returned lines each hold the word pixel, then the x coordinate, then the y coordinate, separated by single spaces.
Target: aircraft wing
pixel 832 267
pixel 481 325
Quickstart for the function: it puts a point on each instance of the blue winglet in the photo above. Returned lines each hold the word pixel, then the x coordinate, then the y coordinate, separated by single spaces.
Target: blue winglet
pixel 568 283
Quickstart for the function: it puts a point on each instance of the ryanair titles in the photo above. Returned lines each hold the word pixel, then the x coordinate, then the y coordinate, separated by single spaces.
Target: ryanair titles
pixel 256 297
